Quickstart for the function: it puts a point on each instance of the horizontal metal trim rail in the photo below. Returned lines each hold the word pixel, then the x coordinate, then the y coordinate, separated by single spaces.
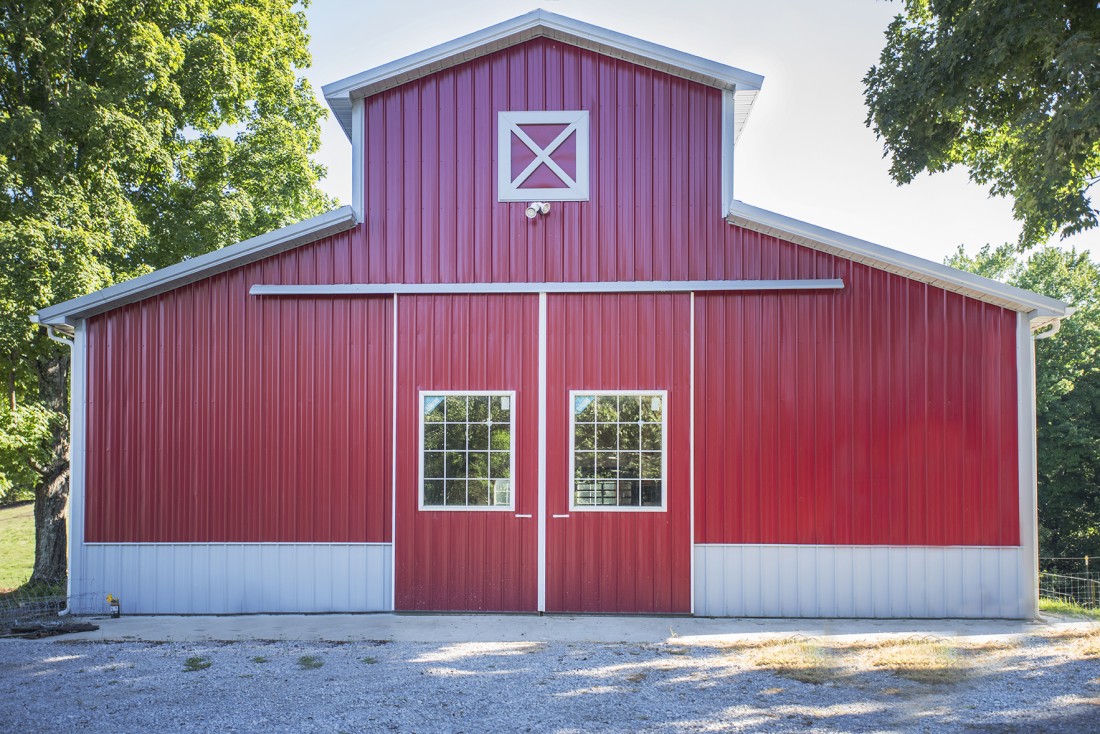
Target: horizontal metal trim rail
pixel 634 286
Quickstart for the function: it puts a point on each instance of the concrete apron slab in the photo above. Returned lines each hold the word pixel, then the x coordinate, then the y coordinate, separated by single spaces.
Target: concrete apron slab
pixel 530 628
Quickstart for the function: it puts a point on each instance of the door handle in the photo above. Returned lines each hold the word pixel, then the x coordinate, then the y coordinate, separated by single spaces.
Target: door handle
pixel 556 516
pixel 523 516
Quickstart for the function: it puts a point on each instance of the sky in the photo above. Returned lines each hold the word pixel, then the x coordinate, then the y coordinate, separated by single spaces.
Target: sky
pixel 805 151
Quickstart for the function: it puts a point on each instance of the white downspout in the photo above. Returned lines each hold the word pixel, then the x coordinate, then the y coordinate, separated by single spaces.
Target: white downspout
pixel 51 332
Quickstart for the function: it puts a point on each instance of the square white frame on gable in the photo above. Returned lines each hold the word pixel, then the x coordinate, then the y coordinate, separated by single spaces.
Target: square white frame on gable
pixel 509 122
pixel 511 506
pixel 573 506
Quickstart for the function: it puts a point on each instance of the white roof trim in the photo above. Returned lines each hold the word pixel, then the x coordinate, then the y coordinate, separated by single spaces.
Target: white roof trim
pixel 536 24
pixel 197 268
pixel 1041 308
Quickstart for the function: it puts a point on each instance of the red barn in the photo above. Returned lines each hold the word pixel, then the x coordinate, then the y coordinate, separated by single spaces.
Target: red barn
pixel 546 361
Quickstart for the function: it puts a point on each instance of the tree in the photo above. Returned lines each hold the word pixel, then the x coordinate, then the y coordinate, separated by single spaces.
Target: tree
pixel 1008 88
pixel 132 135
pixel 1067 393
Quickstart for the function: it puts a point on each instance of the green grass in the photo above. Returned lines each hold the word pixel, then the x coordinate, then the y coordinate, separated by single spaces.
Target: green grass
pixel 16 545
pixel 310 662
pixel 1065 607
pixel 195 664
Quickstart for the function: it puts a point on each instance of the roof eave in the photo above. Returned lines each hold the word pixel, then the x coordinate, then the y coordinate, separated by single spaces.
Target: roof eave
pixel 535 24
pixel 1042 308
pixel 271 243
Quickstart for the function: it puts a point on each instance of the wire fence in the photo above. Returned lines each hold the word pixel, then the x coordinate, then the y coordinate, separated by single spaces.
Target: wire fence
pixel 32 603
pixel 1081 590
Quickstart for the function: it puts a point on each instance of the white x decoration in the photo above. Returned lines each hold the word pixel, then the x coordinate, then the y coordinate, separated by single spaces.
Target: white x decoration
pixel 573 188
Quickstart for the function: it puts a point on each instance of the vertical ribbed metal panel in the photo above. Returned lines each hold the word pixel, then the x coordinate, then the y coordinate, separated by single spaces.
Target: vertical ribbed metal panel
pixel 619 561
pixel 467 560
pixel 859 581
pixel 430 184
pixel 234 578
pixel 880 415
pixel 883 414
pixel 215 417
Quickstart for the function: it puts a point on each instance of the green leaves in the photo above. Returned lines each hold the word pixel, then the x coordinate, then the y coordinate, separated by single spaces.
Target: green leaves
pixel 1008 88
pixel 133 135
pixel 1067 392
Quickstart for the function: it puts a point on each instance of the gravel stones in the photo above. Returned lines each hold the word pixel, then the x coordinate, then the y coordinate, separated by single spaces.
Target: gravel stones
pixel 517 687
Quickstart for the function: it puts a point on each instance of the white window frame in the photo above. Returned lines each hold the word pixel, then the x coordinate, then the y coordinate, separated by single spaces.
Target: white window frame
pixel 573 507
pixel 511 506
pixel 510 121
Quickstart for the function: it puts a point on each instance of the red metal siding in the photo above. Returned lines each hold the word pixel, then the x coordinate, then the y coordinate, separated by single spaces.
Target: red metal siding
pixel 430 183
pixel 883 414
pixel 467 560
pixel 619 561
pixel 214 416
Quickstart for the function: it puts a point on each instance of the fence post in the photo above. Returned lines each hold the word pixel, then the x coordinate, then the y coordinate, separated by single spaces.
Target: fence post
pixel 1092 585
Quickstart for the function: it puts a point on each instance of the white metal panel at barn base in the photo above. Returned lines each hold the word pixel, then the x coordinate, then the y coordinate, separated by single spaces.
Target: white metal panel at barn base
pixel 860 581
pixel 234 578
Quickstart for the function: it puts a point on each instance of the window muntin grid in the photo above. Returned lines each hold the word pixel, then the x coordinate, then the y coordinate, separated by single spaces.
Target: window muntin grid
pixel 466 448
pixel 617 457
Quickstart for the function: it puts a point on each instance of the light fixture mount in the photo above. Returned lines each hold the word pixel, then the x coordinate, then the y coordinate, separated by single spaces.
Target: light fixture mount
pixel 536 208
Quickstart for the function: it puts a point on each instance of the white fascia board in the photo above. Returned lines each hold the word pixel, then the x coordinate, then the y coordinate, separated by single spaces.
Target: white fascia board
pixel 535 24
pixel 196 268
pixel 895 261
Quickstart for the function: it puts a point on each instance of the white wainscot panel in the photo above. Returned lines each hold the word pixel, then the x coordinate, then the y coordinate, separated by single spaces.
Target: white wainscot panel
pixel 233 578
pixel 860 581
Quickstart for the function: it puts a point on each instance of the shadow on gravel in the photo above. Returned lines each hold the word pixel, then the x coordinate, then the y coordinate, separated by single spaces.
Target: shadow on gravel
pixel 791 685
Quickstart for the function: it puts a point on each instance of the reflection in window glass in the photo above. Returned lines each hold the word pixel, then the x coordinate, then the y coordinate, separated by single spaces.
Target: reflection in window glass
pixel 618 449
pixel 467 451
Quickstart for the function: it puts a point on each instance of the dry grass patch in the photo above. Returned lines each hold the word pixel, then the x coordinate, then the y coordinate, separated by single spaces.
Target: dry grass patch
pixel 920 659
pixel 1083 643
pixel 925 660
pixel 798 658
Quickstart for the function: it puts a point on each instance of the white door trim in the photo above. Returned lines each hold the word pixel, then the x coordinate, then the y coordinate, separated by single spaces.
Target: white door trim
pixel 542 453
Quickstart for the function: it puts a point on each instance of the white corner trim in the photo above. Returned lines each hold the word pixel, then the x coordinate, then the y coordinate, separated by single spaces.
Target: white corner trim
pixel 537 24
pixel 728 137
pixel 895 261
pixel 1027 459
pixel 631 286
pixel 358 159
pixel 196 268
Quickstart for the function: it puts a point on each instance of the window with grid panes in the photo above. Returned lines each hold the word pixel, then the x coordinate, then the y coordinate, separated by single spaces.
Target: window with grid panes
pixel 466 450
pixel 618 450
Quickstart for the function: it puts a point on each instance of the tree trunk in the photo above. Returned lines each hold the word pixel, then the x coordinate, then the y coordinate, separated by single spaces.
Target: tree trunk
pixel 52 493
pixel 51 558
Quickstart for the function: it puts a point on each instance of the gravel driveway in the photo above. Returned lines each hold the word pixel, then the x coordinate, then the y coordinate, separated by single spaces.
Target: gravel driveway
pixel 1034 685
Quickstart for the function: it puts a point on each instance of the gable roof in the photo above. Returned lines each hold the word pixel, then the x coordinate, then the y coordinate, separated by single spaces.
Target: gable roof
pixel 1043 309
pixel 197 268
pixel 544 24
